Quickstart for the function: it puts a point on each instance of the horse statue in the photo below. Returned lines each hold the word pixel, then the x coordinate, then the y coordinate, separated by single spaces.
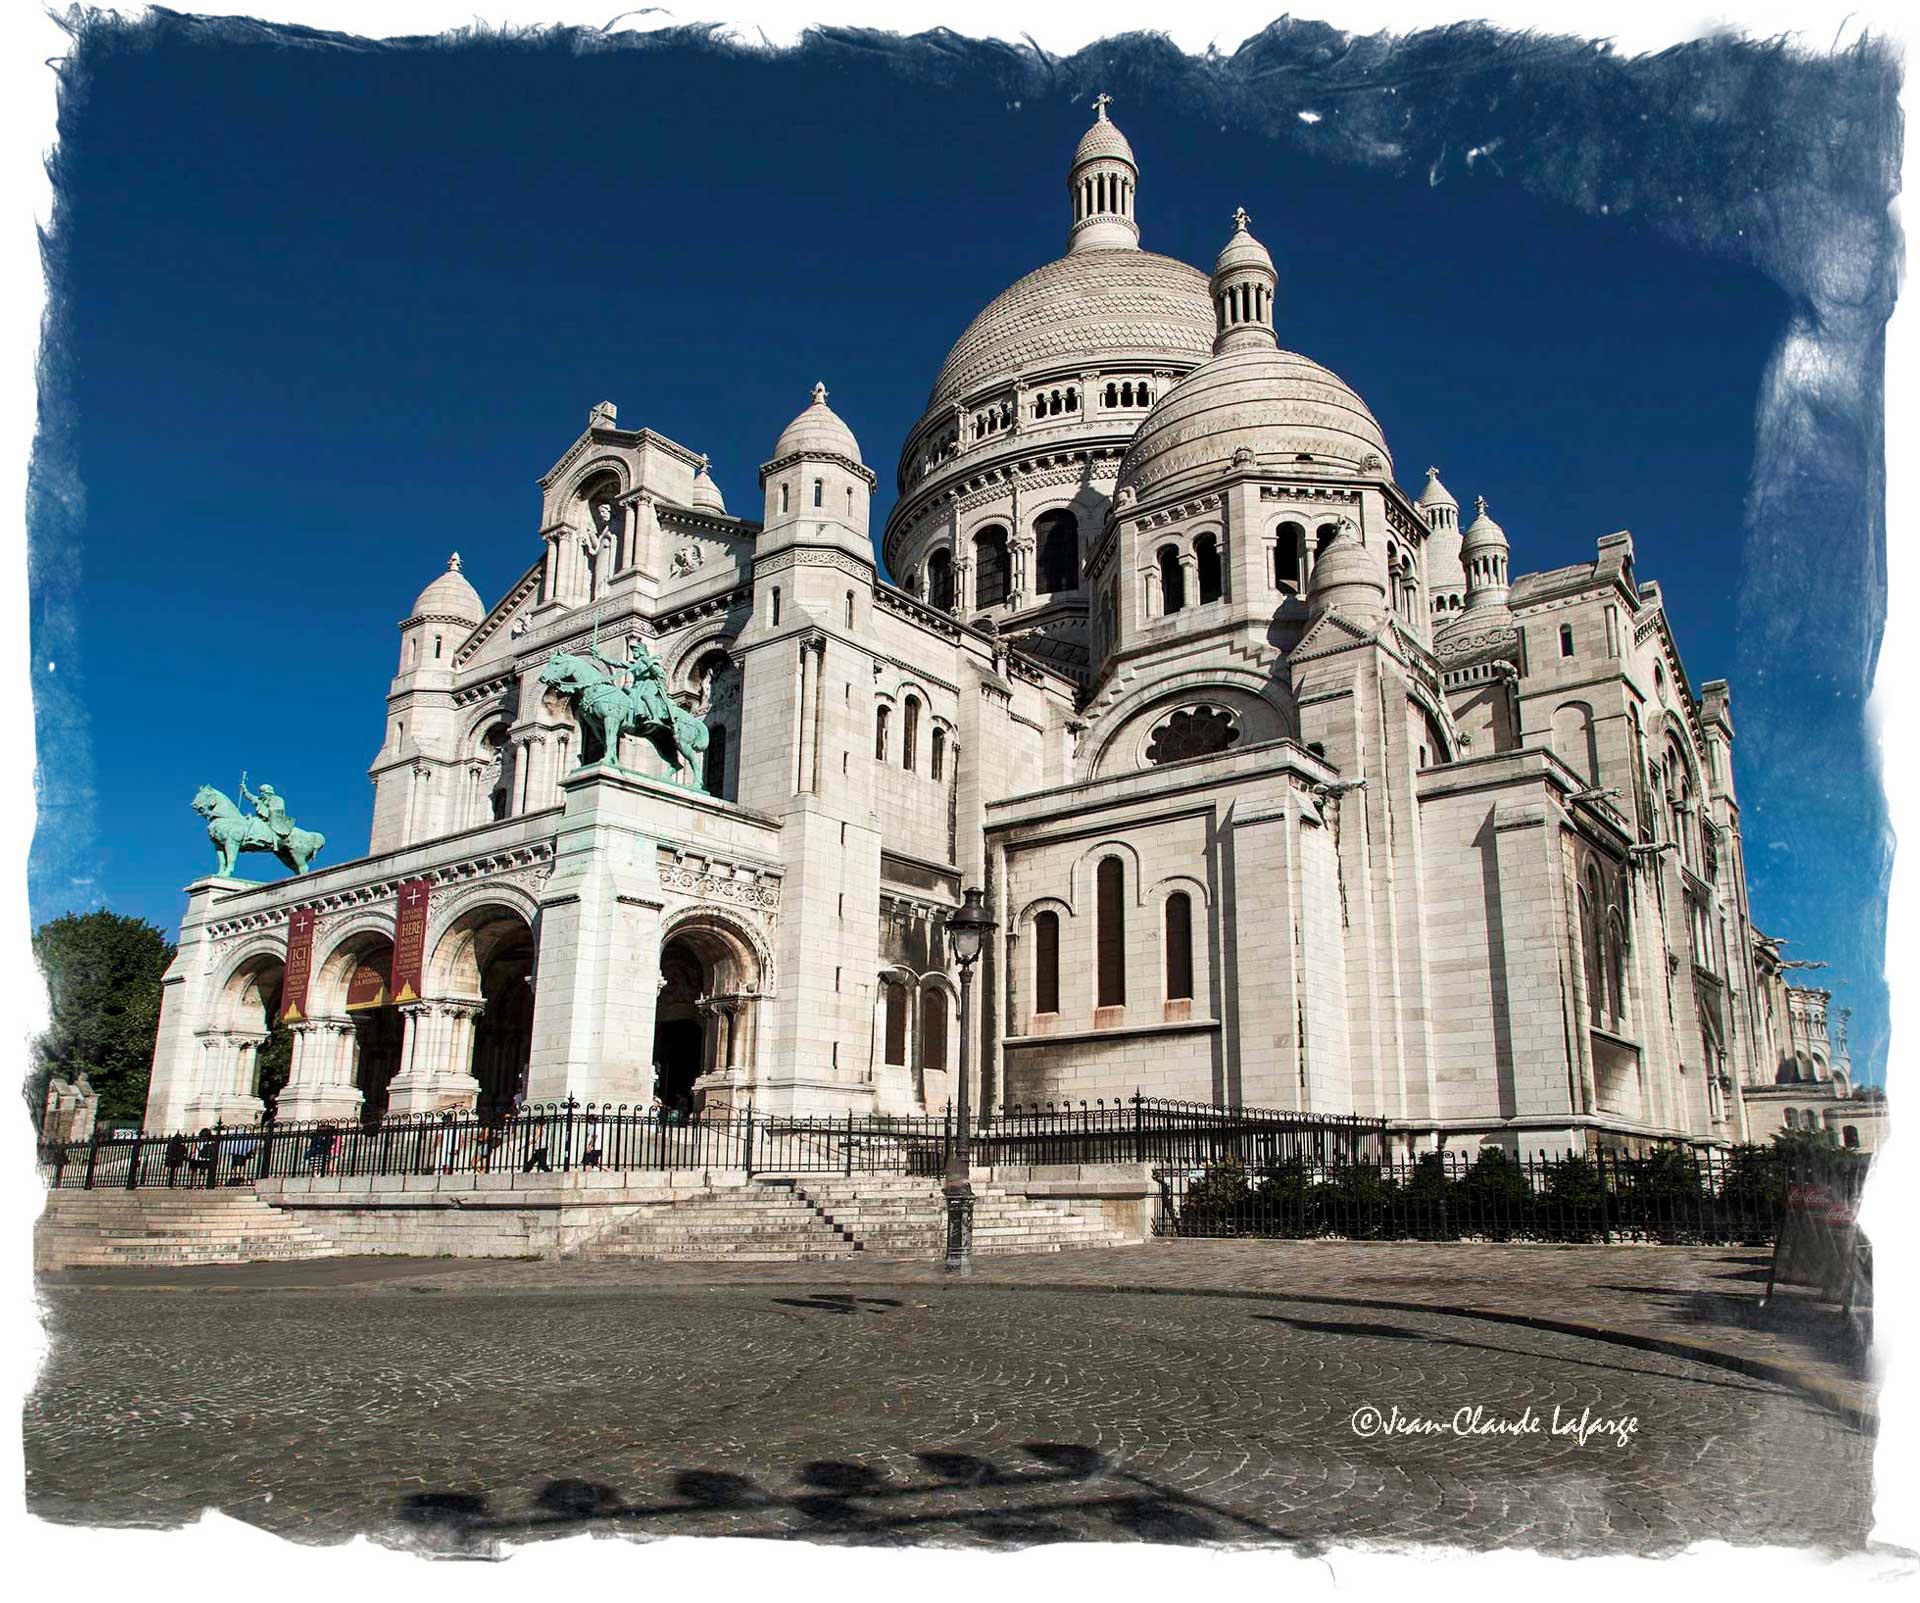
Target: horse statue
pixel 607 711
pixel 233 832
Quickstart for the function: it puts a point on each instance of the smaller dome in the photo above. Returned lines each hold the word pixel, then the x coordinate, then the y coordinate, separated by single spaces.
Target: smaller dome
pixel 1103 139
pixel 1281 406
pixel 706 494
pixel 817 431
pixel 450 596
pixel 1436 494
pixel 1347 575
pixel 1243 250
pixel 1483 531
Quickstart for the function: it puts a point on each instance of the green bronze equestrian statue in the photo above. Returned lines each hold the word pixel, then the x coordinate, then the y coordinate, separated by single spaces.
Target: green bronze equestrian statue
pixel 270 829
pixel 607 709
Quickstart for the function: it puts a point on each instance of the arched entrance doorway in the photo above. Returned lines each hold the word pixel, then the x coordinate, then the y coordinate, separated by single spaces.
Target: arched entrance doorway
pixel 703 1017
pixel 486 955
pixel 225 1085
pixel 353 983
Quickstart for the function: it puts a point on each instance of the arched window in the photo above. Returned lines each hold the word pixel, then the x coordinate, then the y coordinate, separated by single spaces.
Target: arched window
pixel 1046 962
pixel 881 715
pixel 933 1030
pixel 896 1031
pixel 940 580
pixel 1179 947
pixel 1590 912
pixel 849 609
pixel 1206 559
pixel 938 768
pixel 1113 398
pixel 1173 583
pixel 1617 970
pixel 775 606
pixel 1850 1135
pixel 1290 558
pixel 990 567
pixel 783 497
pixel 1110 934
pixel 1057 534
pixel 849 503
pixel 819 492
pixel 910 734
pixel 1566 640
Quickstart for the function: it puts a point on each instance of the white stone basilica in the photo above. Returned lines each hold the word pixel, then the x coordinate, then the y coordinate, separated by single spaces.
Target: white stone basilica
pixel 1283 790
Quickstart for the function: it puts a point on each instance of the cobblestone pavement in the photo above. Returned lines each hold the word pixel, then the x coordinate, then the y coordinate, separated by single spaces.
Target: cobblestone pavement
pixel 1705 1296
pixel 449 1411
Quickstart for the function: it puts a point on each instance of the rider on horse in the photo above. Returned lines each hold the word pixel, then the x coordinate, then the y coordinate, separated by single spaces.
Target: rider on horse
pixel 646 685
pixel 270 809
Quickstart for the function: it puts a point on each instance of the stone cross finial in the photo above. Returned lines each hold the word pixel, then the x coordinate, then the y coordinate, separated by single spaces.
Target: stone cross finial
pixel 819 395
pixel 1100 103
pixel 1433 473
pixel 1480 505
pixel 703 461
pixel 1240 219
pixel 453 563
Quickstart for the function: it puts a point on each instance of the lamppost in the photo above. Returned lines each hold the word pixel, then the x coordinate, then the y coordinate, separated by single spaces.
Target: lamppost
pixel 967 932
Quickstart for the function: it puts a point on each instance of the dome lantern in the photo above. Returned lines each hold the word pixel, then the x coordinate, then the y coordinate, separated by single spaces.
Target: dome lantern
pixel 1243 284
pixel 1102 181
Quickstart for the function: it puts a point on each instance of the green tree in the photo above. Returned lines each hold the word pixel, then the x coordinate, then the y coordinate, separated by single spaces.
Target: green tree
pixel 103 974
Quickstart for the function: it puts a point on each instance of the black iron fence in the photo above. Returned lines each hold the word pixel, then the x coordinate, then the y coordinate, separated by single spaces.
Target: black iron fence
pixel 571 1135
pixel 1219 1171
pixel 1674 1195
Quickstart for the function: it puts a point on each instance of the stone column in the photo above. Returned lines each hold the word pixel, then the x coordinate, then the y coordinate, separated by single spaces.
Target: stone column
pixel 436 1061
pixel 811 651
pixel 320 1081
pixel 225 1094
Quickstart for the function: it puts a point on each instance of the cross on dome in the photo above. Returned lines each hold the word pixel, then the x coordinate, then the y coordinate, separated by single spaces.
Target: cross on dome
pixel 1480 505
pixel 819 394
pixel 1240 219
pixel 453 563
pixel 1100 103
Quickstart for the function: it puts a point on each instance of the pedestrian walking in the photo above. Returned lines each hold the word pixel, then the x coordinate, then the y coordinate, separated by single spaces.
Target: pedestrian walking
pixel 176 1154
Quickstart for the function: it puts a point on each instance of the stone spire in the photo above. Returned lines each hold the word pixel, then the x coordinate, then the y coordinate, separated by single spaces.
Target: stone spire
pixel 1102 181
pixel 1243 285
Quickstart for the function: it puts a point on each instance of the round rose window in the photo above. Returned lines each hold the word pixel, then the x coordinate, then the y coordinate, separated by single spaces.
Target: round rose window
pixel 1192 732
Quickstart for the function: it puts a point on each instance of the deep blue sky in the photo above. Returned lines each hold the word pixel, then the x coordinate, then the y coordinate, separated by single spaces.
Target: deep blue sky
pixel 324 316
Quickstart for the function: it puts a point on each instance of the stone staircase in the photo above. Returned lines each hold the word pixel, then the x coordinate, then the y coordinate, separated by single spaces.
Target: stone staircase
pixel 743 1224
pixel 156 1228
pixel 896 1217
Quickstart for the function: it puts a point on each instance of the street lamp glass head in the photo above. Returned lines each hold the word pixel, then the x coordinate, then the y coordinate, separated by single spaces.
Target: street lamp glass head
pixel 969 926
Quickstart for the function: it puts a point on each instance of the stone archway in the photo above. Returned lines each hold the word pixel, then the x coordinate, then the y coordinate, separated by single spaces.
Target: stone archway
pixel 704 1017
pixel 475 1027
pixel 355 1038
pixel 244 1016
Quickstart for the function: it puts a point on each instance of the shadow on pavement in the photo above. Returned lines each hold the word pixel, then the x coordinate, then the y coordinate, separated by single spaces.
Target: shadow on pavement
pixel 1067 1491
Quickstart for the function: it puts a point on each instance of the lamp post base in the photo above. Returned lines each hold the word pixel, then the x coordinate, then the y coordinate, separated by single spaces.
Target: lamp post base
pixel 959 1228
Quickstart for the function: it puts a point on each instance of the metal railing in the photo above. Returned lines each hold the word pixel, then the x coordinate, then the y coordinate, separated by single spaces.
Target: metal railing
pixel 1674 1195
pixel 565 1136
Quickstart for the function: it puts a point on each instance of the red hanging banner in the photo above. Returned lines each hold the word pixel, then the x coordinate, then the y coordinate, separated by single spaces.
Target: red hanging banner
pixel 293 984
pixel 410 940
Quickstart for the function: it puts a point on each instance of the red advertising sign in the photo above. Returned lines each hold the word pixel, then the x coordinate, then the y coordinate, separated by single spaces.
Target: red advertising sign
pixel 368 987
pixel 410 941
pixel 293 985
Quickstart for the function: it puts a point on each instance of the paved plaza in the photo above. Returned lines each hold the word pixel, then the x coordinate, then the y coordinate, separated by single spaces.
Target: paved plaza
pixel 467 1407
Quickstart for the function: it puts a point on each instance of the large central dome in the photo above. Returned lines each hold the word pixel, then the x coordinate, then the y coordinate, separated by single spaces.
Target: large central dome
pixel 1096 306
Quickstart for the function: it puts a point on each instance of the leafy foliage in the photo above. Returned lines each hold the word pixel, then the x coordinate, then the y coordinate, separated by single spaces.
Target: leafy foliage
pixel 103 974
